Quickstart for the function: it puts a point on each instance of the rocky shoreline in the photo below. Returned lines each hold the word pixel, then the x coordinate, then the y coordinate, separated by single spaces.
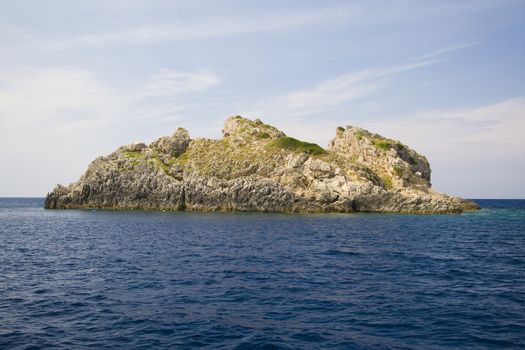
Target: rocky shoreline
pixel 256 167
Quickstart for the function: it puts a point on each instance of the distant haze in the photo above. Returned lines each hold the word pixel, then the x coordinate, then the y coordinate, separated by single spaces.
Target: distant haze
pixel 79 79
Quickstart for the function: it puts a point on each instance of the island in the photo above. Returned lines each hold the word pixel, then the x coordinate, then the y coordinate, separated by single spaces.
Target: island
pixel 256 167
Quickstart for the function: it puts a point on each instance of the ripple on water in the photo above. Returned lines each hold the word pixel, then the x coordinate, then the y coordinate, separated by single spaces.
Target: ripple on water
pixel 78 279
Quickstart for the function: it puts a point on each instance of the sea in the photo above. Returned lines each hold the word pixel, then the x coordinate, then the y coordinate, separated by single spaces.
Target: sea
pixel 100 279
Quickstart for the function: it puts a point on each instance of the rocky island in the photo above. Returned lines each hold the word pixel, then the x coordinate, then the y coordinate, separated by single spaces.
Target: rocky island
pixel 256 167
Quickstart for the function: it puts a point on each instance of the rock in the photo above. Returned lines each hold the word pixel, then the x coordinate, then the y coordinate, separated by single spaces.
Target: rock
pixel 387 158
pixel 255 167
pixel 135 147
pixel 172 145
pixel 242 128
pixel 296 160
pixel 318 165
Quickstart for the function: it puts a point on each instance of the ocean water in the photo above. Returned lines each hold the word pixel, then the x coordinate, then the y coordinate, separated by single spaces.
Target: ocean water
pixel 78 279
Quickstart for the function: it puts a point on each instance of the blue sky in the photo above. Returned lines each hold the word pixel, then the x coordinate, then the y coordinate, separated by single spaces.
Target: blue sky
pixel 80 78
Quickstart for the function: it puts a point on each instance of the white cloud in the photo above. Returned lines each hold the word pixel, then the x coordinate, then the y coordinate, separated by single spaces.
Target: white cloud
pixel 169 82
pixel 445 50
pixel 212 27
pixel 349 89
pixel 351 86
pixel 29 95
pixel 332 93
pixel 69 96
pixel 199 25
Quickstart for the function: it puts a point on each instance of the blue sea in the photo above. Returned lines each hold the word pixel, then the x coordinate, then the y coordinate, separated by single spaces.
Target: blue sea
pixel 79 279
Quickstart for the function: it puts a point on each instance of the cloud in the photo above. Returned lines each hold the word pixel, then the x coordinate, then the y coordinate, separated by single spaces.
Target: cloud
pixel 169 82
pixel 347 87
pixel 65 97
pixel 200 25
pixel 35 94
pixel 353 85
pixel 332 93
pixel 203 28
pixel 445 50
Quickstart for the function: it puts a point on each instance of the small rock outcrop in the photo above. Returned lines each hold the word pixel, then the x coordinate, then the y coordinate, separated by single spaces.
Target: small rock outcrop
pixel 256 167
pixel 174 145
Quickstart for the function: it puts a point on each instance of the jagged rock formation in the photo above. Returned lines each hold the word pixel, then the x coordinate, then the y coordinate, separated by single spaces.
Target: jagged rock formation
pixel 256 167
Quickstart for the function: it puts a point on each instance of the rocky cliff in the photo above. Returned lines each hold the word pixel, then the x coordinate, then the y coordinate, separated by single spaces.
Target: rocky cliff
pixel 256 167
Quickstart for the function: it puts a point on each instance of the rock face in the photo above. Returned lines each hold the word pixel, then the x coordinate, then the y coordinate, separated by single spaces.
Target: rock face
pixel 256 167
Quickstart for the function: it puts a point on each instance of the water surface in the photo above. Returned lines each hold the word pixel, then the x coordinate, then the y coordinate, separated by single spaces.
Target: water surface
pixel 142 280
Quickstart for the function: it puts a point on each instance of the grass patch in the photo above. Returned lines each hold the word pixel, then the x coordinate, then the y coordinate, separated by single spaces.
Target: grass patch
pixel 387 182
pixel 398 171
pixel 182 159
pixel 295 145
pixel 382 144
pixel 263 135
pixel 340 128
pixel 360 134
pixel 133 154
pixel 155 160
pixel 412 160
pixel 400 146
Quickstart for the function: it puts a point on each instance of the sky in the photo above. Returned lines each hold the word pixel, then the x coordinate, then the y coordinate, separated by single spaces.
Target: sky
pixel 447 78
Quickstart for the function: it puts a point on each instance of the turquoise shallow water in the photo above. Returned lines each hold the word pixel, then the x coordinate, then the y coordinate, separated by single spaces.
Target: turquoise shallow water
pixel 142 280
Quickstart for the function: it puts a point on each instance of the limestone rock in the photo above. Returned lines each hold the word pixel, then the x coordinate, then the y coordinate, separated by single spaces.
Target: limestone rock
pixel 256 167
pixel 244 128
pixel 135 147
pixel 396 164
pixel 173 145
